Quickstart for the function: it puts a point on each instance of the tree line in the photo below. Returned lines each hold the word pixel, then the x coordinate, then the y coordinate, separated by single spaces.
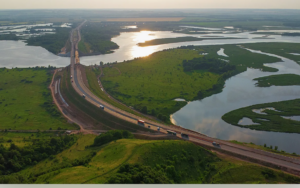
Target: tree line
pixel 111 136
pixel 14 158
pixel 210 64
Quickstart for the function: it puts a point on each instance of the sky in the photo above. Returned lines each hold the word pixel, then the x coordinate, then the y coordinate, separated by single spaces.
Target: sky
pixel 149 4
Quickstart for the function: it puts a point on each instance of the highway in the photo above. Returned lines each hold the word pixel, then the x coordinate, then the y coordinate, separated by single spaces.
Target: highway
pixel 270 158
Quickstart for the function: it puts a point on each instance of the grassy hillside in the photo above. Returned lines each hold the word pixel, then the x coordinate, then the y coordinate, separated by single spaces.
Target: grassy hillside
pixel 26 102
pixel 155 81
pixel 175 162
pixel 274 121
pixel 278 80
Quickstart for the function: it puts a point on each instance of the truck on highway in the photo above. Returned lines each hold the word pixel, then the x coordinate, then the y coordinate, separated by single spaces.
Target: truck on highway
pixel 141 122
pixel 171 132
pixel 216 144
pixel 101 107
pixel 184 136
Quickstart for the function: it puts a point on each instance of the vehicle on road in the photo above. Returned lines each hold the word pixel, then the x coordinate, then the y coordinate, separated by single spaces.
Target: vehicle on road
pixel 184 136
pixel 149 127
pixel 171 132
pixel 83 95
pixel 71 76
pixel 141 122
pixel 216 144
pixel 158 128
pixel 101 107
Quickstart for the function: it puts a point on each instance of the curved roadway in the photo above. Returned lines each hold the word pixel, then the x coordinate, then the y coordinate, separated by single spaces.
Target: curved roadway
pixel 264 156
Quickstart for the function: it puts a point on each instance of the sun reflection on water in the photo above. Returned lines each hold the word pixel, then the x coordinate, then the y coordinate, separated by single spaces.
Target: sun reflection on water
pixel 137 51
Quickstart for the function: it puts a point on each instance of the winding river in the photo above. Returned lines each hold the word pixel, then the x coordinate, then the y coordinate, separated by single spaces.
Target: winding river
pixel 205 115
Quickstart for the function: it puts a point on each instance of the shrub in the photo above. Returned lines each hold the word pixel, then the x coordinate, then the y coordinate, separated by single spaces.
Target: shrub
pixel 111 136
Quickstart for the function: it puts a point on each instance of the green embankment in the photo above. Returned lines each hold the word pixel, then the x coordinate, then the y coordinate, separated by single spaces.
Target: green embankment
pixel 91 75
pixel 281 49
pixel 26 102
pixel 278 80
pixel 175 40
pixel 156 80
pixel 270 148
pixel 52 42
pixel 169 162
pixel 275 122
pixel 103 120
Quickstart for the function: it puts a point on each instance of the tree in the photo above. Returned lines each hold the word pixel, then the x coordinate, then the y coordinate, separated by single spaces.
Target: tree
pixel 271 147
pixel 145 110
pixel 276 147
pixel 101 63
pixel 265 145
pixel 153 112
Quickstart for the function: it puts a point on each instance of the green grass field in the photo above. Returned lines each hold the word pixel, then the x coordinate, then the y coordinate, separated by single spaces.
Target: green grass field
pixel 26 102
pixel 155 81
pixel 192 164
pixel 275 122
pixel 278 80
pixel 23 139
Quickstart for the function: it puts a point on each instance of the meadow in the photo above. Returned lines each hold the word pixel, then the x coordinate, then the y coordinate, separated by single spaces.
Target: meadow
pixel 156 80
pixel 26 102
pixel 275 122
pixel 177 161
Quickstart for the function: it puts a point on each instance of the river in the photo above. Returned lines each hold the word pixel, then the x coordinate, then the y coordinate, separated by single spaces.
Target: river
pixel 205 115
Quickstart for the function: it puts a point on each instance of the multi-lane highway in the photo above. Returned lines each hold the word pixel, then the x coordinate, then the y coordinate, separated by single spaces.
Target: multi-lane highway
pixel 283 162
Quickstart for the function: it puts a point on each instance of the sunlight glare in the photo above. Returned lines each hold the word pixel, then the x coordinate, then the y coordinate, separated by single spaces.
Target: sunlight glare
pixel 140 37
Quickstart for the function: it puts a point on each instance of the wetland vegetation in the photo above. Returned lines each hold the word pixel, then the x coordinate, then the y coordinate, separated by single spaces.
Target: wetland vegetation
pixel 278 80
pixel 150 84
pixel 275 123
